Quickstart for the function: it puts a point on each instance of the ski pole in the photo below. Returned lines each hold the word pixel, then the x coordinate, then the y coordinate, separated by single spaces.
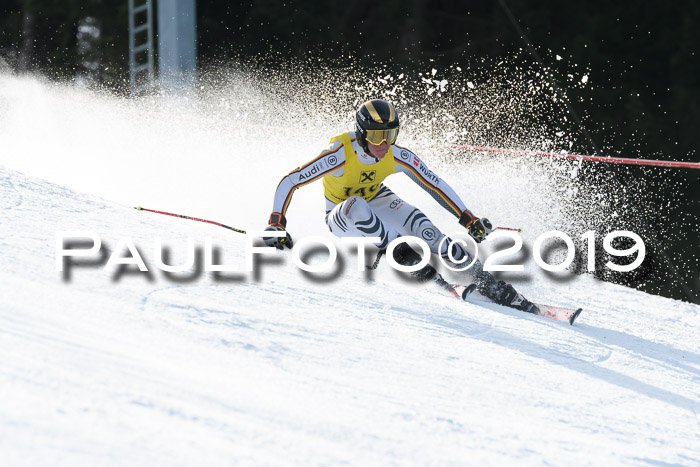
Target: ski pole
pixel 509 228
pixel 139 208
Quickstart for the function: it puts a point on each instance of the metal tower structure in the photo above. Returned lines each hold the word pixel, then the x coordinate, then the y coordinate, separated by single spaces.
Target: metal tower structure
pixel 141 73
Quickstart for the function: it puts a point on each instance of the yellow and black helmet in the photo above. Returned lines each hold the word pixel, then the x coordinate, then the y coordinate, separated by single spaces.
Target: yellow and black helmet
pixel 377 121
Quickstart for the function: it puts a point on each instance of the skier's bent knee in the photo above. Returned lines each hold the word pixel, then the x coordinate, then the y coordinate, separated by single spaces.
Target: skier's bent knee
pixel 356 208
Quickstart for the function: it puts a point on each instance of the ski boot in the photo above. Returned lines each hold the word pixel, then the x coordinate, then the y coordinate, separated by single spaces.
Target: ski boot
pixel 505 294
pixel 406 256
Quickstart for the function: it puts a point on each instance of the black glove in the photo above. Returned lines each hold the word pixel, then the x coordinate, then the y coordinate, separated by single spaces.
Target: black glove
pixel 278 242
pixel 478 228
pixel 278 224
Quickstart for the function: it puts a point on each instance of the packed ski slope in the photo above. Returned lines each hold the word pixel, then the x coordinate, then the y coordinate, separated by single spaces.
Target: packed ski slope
pixel 275 367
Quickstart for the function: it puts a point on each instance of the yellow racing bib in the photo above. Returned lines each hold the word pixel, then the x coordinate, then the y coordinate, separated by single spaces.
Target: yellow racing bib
pixel 358 179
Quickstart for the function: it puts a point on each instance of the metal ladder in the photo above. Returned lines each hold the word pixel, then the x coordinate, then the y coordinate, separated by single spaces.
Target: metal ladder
pixel 141 74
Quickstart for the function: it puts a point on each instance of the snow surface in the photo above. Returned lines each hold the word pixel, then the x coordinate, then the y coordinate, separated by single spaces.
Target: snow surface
pixel 126 368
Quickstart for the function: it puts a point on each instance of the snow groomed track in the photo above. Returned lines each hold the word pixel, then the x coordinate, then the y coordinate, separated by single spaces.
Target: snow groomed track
pixel 135 369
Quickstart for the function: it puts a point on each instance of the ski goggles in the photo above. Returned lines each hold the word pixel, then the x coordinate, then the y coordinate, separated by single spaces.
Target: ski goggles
pixel 377 137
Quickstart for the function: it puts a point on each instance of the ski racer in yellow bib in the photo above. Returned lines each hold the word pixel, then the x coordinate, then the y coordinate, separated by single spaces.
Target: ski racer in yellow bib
pixel 359 204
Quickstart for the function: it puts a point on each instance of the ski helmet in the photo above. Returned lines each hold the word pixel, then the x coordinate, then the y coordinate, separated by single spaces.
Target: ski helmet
pixel 377 121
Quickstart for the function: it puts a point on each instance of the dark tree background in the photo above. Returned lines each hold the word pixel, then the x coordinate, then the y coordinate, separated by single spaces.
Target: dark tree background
pixel 645 101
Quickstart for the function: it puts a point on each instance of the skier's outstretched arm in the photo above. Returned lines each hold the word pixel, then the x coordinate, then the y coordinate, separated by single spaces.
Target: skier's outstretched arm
pixel 410 164
pixel 329 161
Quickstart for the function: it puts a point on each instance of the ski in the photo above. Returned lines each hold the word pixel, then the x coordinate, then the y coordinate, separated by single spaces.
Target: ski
pixel 548 311
pixel 558 313
pixel 466 293
pixel 460 291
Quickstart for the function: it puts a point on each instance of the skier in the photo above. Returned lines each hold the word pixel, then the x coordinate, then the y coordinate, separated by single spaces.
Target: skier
pixel 359 204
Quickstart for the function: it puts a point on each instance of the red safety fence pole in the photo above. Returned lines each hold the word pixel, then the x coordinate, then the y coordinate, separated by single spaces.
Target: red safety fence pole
pixel 612 160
